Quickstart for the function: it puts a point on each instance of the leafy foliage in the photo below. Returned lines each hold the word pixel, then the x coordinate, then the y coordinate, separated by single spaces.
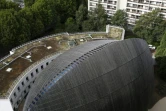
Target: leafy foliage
pixel 71 26
pixel 81 15
pixel 29 2
pixel 21 25
pixel 8 5
pixel 161 58
pixel 150 26
pixel 119 19
pixel 161 50
pixel 96 21
pixel 161 71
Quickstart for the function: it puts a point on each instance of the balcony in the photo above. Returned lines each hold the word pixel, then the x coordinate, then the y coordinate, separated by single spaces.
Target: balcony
pixel 132 5
pixel 163 5
pixel 139 12
pixel 140 6
pixel 132 0
pixel 112 2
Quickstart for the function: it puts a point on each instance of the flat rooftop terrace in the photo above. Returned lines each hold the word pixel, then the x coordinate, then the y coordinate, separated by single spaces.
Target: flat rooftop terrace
pixel 13 66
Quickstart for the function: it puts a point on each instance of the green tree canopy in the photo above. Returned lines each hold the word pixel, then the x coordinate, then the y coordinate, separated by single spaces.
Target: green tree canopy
pixel 150 26
pixel 161 50
pixel 29 2
pixel 8 5
pixel 39 16
pixel 119 19
pixel 8 27
pixel 97 19
pixel 81 15
pixel 70 25
pixel 161 58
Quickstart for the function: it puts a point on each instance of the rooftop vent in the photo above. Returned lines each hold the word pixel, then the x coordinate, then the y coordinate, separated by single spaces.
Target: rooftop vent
pixel 9 70
pixel 49 47
pixel 81 40
pixel 28 56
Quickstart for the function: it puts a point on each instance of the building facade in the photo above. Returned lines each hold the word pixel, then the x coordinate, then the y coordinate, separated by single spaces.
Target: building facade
pixel 134 8
pixel 13 94
pixel 101 75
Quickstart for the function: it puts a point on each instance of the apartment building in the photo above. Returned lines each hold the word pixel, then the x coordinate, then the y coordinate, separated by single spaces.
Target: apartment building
pixel 134 8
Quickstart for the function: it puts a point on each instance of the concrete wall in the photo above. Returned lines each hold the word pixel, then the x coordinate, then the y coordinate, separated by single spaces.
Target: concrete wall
pixel 122 4
pixel 5 105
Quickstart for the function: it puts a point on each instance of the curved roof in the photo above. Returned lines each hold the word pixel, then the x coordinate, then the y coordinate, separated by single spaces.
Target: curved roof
pixel 98 75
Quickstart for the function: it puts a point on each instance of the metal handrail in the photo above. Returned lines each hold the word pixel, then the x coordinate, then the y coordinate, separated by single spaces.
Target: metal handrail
pixel 45 37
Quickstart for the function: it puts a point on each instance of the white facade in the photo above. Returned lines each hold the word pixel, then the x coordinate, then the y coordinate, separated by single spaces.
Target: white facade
pixel 134 8
pixel 5 105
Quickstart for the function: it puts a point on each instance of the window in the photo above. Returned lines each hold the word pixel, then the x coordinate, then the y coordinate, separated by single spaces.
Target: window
pixel 24 91
pixel 22 83
pixel 11 100
pixel 32 74
pixel 37 71
pixel 42 67
pixel 27 78
pixel 29 86
pixel 18 89
pixel 15 95
pixel 17 102
pixel 33 102
pixel 36 98
pixel 39 96
pixel 47 63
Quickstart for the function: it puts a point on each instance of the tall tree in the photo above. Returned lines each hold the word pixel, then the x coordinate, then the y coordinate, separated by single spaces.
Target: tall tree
pixel 161 58
pixel 71 26
pixel 119 19
pixel 81 15
pixel 161 50
pixel 4 4
pixel 8 28
pixel 150 26
pixel 97 19
pixel 29 2
pixel 65 9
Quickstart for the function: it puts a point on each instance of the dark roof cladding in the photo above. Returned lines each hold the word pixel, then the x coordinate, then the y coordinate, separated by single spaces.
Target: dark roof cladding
pixel 102 75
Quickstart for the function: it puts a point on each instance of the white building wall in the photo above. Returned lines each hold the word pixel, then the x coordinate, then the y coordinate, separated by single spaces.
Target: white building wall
pixel 5 105
pixel 134 8
pixel 122 4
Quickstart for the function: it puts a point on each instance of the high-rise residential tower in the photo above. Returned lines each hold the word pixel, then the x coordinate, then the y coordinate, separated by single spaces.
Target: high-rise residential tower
pixel 134 8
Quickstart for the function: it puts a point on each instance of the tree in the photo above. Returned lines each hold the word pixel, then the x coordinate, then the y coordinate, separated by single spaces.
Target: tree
pixel 21 25
pixel 29 2
pixel 161 50
pixel 82 2
pixel 70 25
pixel 150 26
pixel 8 5
pixel 119 19
pixel 89 25
pixel 65 9
pixel 8 28
pixel 161 58
pixel 97 19
pixel 81 15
